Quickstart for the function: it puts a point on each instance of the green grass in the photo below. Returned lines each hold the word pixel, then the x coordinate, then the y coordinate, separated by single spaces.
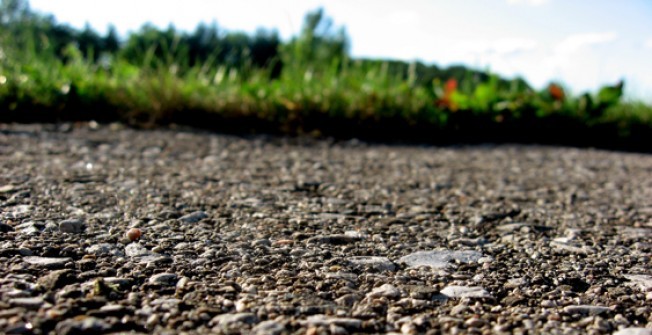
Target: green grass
pixel 343 98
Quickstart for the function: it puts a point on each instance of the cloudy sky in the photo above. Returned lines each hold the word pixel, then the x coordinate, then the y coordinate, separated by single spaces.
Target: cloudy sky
pixel 582 44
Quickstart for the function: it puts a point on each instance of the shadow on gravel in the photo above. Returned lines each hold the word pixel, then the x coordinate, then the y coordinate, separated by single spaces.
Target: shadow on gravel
pixel 462 128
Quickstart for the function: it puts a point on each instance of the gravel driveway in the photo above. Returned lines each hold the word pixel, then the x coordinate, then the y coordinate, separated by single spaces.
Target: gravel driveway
pixel 268 235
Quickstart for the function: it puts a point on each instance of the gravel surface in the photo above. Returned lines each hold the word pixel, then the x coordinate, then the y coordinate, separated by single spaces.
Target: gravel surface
pixel 105 229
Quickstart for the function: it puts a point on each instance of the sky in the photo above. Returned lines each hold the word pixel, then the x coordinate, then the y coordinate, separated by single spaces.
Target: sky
pixel 579 43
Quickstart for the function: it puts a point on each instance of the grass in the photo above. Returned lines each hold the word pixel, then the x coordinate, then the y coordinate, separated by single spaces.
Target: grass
pixel 340 97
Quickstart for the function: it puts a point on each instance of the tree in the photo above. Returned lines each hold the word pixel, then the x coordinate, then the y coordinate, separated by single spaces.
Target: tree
pixel 318 43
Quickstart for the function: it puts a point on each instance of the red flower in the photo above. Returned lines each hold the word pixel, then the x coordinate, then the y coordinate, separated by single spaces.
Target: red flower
pixel 449 88
pixel 556 92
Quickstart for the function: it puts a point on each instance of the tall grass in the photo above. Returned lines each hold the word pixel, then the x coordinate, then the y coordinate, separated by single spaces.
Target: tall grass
pixel 332 95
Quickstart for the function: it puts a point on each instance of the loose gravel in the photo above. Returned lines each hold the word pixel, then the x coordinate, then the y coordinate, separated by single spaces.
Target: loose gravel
pixel 267 235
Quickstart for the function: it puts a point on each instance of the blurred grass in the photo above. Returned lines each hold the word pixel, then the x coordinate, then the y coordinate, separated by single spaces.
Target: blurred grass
pixel 317 92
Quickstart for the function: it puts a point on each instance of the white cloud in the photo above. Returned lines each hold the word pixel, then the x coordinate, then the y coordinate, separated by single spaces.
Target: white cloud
pixel 648 43
pixel 577 42
pixel 528 2
pixel 501 46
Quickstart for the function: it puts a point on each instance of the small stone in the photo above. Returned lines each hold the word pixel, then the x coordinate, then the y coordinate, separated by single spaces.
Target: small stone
pixel 122 283
pixel 47 262
pixel 643 282
pixel 230 320
pixel 56 279
pixel 459 309
pixel 323 320
pixel 454 291
pixel 133 234
pixel 136 250
pixel 347 300
pixel 182 283
pixel 474 322
pixel 33 303
pixel 261 243
pixel 566 244
pixel 30 228
pixel 385 290
pixel 71 226
pixel 104 249
pixel 439 258
pixel 373 262
pixel 82 325
pixel 634 331
pixel 166 279
pixel 5 228
pixel 193 217
pixel 268 327
pixel 586 309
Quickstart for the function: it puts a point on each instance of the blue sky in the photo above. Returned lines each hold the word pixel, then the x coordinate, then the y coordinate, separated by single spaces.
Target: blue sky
pixel 583 44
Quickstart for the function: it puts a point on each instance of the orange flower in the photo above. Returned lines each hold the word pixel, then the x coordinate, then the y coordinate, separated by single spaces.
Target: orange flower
pixel 449 88
pixel 556 92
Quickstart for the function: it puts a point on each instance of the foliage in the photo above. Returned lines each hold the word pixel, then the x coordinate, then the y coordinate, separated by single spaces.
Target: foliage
pixel 228 80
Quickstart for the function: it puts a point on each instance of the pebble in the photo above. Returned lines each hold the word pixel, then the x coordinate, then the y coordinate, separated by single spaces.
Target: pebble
pixel 270 327
pixel 56 279
pixel 82 325
pixel 439 258
pixel 643 282
pixel 565 244
pixel 586 309
pixel 373 262
pixel 47 262
pixel 324 320
pixel 385 290
pixel 122 283
pixel 71 226
pixel 193 217
pixel 33 303
pixel 30 228
pixel 136 250
pixel 166 279
pixel 5 228
pixel 229 320
pixel 634 331
pixel 454 291
pixel 104 249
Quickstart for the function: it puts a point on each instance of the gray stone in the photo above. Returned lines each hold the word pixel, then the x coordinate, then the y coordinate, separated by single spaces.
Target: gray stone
pixel 136 250
pixel 373 262
pixel 634 331
pixel 56 279
pixel 643 282
pixel 104 249
pixel 229 320
pixel 47 262
pixel 166 279
pixel 71 226
pixel 268 327
pixel 193 217
pixel 82 325
pixel 566 244
pixel 586 309
pixel 323 320
pixel 439 258
pixel 454 291
pixel 385 290
pixel 33 303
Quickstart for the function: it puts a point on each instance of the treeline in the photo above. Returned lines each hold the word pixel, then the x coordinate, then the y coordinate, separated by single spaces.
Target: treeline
pixel 208 45
pixel 232 81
